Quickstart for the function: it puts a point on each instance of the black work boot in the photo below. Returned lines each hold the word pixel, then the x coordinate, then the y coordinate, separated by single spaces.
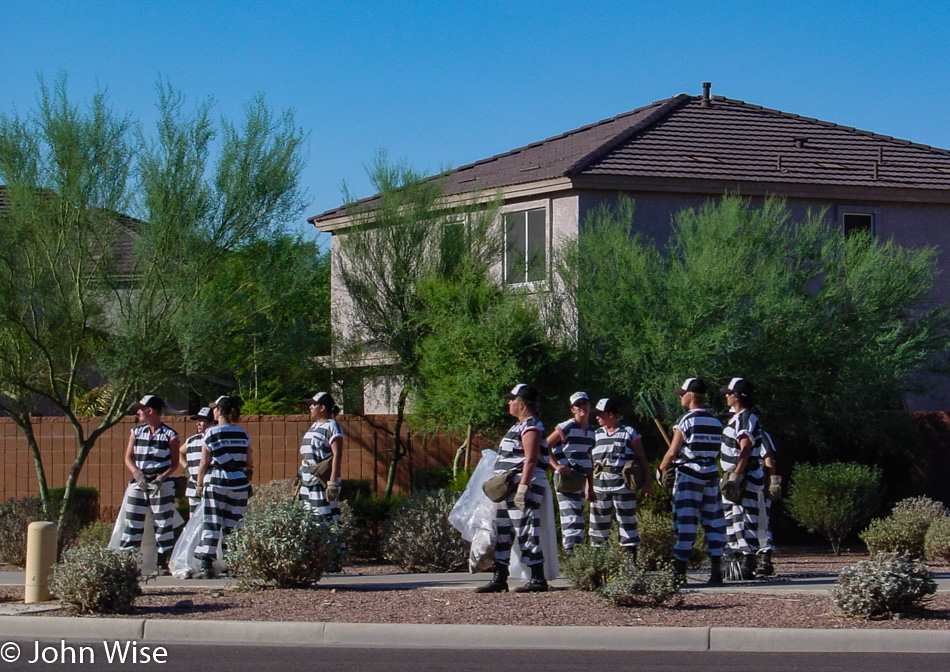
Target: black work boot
pixel 765 567
pixel 715 571
pixel 537 583
pixel 748 567
pixel 161 563
pixel 498 583
pixel 679 572
pixel 207 567
pixel 632 553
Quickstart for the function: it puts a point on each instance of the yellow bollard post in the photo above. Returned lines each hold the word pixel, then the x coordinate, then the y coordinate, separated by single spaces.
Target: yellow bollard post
pixel 40 558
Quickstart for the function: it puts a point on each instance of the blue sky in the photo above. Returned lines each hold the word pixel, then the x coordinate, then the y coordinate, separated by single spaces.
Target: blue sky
pixel 445 83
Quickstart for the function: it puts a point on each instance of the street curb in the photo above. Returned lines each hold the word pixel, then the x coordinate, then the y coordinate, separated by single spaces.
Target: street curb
pixel 418 636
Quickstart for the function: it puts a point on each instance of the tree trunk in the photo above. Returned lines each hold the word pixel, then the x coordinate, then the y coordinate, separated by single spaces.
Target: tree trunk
pixel 399 448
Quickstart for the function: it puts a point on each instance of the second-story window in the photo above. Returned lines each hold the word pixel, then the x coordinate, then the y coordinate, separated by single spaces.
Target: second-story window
pixel 525 246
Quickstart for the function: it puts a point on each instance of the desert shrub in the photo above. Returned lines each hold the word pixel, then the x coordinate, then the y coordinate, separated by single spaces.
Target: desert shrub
pixel 833 499
pixel 15 516
pixel 589 568
pixel 656 539
pixel 937 541
pixel 632 586
pixel 353 488
pixel 885 585
pixel 93 579
pixel 284 545
pixel 363 520
pixel 896 535
pixel 98 533
pixel 905 530
pixel 271 494
pixel 431 478
pixel 418 536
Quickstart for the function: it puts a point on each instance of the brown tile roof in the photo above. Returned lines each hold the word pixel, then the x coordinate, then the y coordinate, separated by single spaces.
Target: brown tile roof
pixel 728 141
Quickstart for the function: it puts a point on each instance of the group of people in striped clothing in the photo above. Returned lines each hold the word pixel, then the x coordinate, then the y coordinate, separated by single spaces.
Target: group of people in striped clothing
pixel 607 467
pixel 218 464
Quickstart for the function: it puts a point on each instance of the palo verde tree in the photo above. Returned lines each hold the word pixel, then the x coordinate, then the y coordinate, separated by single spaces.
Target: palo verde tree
pixel 94 303
pixel 407 235
pixel 832 329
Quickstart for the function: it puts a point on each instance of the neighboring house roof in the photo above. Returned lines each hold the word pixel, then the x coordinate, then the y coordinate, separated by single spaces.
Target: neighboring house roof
pixel 123 248
pixel 693 138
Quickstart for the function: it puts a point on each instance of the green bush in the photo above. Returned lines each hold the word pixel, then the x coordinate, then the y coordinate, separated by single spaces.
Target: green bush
pixel 937 541
pixel 284 545
pixel 656 539
pixel 93 579
pixel 661 501
pixel 905 530
pixel 431 478
pixel 16 516
pixel 271 494
pixel 882 586
pixel 363 521
pixel 98 533
pixel 589 568
pixel 460 481
pixel 353 488
pixel 419 537
pixel 833 499
pixel 632 586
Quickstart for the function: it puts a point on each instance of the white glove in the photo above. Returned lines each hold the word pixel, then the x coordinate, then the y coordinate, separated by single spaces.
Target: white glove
pixel 775 488
pixel 333 492
pixel 519 497
pixel 141 482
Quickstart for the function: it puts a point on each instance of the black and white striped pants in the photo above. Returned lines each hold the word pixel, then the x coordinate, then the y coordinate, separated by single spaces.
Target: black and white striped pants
pixel 697 500
pixel 742 518
pixel 222 509
pixel 571 508
pixel 512 522
pixel 137 504
pixel 623 502
pixel 314 498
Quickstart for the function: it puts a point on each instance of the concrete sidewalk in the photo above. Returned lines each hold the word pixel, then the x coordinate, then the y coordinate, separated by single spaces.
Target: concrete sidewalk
pixel 166 631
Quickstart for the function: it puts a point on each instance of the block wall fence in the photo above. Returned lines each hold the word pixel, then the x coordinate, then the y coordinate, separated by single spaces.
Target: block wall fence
pixel 275 441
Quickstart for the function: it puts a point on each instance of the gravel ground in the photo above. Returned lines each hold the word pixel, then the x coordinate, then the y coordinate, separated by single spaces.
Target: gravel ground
pixel 560 607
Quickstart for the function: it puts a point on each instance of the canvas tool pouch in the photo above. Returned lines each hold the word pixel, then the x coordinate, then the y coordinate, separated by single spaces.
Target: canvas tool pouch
pixel 321 470
pixel 669 477
pixel 498 487
pixel 569 484
pixel 633 476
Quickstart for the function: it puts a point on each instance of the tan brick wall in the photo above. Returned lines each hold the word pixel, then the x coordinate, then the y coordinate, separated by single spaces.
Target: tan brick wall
pixel 276 442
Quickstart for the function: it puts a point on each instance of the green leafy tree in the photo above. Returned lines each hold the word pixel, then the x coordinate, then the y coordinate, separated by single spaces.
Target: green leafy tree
pixel 831 329
pixel 407 235
pixel 96 306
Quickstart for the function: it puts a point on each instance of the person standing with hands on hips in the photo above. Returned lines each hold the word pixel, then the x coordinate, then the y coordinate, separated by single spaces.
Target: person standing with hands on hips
pixel 616 449
pixel 322 456
pixel 523 453
pixel 571 443
pixel 152 457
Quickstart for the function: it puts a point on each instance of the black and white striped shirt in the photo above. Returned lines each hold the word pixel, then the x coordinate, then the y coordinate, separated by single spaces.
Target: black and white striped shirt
pixel 192 459
pixel 315 446
pixel 702 437
pixel 151 451
pixel 228 445
pixel 576 446
pixel 613 451
pixel 511 454
pixel 742 424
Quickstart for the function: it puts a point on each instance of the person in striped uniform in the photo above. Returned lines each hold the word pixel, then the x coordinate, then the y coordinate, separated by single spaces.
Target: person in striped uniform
pixel 571 443
pixel 322 456
pixel 693 453
pixel 152 457
pixel 615 444
pixel 523 453
pixel 773 493
pixel 223 480
pixel 741 458
pixel 191 456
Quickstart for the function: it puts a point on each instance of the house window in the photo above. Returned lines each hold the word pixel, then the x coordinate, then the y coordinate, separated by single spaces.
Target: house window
pixel 853 222
pixel 525 246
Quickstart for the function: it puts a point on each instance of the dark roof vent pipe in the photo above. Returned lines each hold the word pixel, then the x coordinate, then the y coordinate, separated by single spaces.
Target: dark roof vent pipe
pixel 705 101
pixel 800 141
